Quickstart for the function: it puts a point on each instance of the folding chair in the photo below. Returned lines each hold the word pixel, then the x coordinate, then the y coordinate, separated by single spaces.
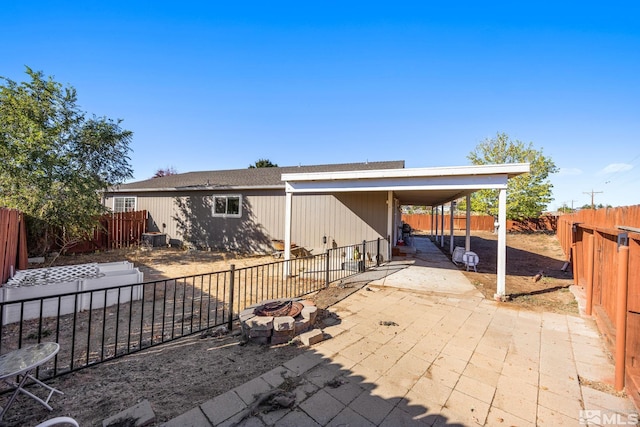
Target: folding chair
pixel 59 421
pixel 470 259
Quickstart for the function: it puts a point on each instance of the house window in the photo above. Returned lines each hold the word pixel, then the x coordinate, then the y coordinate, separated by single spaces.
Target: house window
pixel 124 204
pixel 227 206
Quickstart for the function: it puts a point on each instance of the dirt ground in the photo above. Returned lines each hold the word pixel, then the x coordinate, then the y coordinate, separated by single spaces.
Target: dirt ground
pixel 535 280
pixel 178 376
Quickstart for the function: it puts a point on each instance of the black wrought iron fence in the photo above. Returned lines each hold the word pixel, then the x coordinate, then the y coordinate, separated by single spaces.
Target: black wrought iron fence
pixel 99 325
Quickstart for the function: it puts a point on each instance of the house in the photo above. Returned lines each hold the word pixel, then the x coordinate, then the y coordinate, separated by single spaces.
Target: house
pixel 334 205
pixel 244 209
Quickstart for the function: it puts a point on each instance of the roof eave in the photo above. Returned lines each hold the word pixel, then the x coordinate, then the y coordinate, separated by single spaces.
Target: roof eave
pixel 197 188
pixel 510 169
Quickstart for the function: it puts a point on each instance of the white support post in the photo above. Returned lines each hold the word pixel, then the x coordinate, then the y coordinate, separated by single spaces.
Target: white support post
pixel 287 232
pixel 431 233
pixel 435 235
pixel 390 220
pixel 467 240
pixel 442 227
pixel 451 240
pixel 502 244
pixel 398 221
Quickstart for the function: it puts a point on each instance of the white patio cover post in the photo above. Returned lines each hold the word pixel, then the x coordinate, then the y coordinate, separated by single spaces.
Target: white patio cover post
pixel 390 220
pixel 442 227
pixel 502 244
pixel 451 242
pixel 467 240
pixel 435 236
pixel 287 232
pixel 431 234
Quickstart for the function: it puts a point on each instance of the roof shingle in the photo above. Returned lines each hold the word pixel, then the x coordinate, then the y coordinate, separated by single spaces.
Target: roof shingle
pixel 255 177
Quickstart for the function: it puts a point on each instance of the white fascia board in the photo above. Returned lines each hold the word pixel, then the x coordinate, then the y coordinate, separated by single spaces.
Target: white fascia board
pixel 203 188
pixel 398 184
pixel 510 169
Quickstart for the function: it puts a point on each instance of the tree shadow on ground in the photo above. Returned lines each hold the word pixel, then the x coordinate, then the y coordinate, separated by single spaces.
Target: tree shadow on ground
pixel 201 230
pixel 325 392
pixel 539 291
pixel 519 262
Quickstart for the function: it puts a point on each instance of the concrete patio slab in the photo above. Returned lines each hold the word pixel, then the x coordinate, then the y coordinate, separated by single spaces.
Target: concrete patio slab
pixel 444 356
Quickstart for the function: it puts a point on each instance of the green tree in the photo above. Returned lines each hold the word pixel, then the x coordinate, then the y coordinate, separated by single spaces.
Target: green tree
pixel 55 159
pixel 169 170
pixel 263 163
pixel 565 209
pixel 598 206
pixel 528 194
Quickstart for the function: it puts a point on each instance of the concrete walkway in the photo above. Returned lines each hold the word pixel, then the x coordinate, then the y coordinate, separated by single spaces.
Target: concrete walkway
pixel 422 347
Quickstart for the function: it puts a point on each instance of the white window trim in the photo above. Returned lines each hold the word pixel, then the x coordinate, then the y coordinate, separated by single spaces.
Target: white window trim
pixel 135 202
pixel 226 215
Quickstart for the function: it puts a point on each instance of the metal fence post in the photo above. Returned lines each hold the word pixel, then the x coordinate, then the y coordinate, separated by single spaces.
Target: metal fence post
pixel 378 252
pixel 589 274
pixel 621 316
pixel 232 274
pixel 364 255
pixel 327 266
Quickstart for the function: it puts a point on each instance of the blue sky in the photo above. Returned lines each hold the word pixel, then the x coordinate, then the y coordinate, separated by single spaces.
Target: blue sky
pixel 214 85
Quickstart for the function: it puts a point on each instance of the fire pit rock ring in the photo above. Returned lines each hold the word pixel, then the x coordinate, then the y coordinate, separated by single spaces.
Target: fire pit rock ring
pixel 277 321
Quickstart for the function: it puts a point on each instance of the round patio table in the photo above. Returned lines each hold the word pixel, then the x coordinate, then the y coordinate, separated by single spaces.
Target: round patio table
pixel 23 362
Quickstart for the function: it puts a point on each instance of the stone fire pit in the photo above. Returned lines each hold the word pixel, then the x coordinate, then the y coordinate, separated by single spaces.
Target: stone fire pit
pixel 277 321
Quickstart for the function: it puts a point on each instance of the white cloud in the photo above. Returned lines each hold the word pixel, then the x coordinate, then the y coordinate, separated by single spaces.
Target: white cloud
pixel 570 171
pixel 614 168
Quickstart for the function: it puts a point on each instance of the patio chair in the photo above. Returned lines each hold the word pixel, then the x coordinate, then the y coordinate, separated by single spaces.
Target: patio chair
pixel 470 259
pixel 59 421
pixel 458 252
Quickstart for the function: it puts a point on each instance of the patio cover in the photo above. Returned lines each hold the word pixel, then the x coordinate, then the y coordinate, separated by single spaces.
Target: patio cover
pixel 413 186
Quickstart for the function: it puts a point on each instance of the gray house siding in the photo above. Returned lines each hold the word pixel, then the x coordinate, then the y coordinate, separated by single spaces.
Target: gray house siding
pixel 346 218
pixel 188 217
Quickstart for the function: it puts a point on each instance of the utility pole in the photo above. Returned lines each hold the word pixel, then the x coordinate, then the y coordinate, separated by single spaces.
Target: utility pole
pixel 572 204
pixel 592 193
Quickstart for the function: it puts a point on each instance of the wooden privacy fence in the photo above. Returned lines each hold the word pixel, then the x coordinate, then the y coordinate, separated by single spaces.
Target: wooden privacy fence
pixel 13 243
pixel 604 248
pixel 423 222
pixel 116 230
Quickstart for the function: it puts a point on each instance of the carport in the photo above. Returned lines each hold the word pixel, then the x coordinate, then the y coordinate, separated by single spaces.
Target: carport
pixel 433 187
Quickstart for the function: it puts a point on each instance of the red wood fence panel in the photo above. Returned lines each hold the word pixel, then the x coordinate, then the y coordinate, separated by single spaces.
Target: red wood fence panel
pixel 13 247
pixel 423 222
pixel 116 230
pixel 125 229
pixel 604 248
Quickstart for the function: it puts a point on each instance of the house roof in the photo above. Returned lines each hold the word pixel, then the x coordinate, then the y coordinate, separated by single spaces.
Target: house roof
pixel 412 186
pixel 244 178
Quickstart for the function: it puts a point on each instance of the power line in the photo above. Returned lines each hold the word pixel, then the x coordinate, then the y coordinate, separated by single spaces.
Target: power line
pixel 621 168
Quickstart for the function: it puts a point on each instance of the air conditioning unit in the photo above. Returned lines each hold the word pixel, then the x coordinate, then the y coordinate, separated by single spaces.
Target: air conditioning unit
pixel 154 240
